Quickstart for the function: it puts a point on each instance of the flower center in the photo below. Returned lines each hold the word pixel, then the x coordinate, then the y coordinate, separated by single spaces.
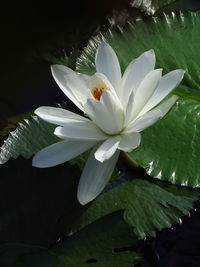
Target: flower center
pixel 97 92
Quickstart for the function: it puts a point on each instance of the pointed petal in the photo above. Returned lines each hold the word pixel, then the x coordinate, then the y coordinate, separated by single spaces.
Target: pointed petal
pixel 58 116
pixel 136 72
pixel 144 121
pixel 146 90
pixel 107 149
pixel 130 141
pixel 107 113
pixel 166 85
pixel 71 83
pixel 94 177
pixel 165 106
pixel 59 153
pixel 108 64
pixel 86 130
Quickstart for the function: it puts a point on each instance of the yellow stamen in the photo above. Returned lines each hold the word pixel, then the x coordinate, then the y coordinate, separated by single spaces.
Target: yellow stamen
pixel 97 92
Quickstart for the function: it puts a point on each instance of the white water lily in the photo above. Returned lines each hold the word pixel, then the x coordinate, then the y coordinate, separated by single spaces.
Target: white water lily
pixel 119 108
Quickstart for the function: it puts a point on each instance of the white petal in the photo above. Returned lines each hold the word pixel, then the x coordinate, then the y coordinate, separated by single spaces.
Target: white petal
pixel 146 90
pixel 144 121
pixel 129 109
pixel 80 131
pixel 58 116
pixel 95 177
pixel 84 77
pixel 128 142
pixel 136 72
pixel 108 64
pixel 165 106
pixel 166 85
pixel 71 83
pixel 99 80
pixel 107 149
pixel 60 152
pixel 106 113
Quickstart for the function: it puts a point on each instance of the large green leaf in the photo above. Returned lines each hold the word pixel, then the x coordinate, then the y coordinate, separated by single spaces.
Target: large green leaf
pixel 168 35
pixel 170 150
pixel 12 123
pixel 148 207
pixel 29 137
pixel 107 242
pixel 102 242
pixel 37 205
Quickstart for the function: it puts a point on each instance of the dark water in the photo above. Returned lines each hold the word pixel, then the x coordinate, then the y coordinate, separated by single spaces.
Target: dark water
pixel 177 247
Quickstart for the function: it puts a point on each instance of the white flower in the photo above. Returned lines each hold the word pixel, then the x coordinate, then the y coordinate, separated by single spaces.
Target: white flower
pixel 119 108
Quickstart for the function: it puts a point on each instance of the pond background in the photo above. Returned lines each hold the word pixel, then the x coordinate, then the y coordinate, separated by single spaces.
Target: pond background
pixel 32 32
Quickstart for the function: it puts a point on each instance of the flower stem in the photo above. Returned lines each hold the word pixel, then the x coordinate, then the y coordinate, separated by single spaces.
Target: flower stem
pixel 132 163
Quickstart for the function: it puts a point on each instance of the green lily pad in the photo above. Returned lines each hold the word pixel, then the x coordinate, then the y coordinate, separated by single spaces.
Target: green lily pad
pixel 12 122
pixel 170 149
pixel 30 136
pixel 107 242
pixel 168 35
pixel 148 207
